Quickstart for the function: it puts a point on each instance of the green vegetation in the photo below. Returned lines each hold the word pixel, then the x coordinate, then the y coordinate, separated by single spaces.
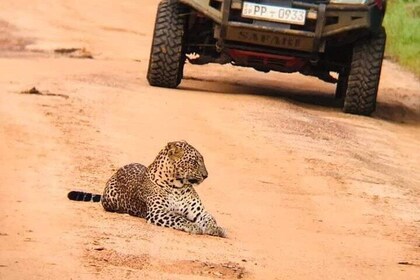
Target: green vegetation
pixel 402 23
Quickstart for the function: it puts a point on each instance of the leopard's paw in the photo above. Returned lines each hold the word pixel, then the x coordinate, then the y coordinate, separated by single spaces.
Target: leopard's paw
pixel 216 231
pixel 194 229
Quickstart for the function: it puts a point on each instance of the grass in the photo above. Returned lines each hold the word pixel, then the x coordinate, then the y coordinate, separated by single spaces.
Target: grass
pixel 402 23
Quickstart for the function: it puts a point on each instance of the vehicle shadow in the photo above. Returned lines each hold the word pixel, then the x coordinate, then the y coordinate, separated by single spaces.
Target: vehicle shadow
pixel 297 96
pixel 391 112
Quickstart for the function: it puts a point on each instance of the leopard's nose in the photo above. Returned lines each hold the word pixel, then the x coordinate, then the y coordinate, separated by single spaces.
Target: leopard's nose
pixel 204 173
pixel 193 181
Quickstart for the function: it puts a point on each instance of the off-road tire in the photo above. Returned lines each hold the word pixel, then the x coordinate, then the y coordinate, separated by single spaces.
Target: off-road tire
pixel 167 55
pixel 365 71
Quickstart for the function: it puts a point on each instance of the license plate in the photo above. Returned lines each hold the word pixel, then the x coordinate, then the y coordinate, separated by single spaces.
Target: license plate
pixel 273 13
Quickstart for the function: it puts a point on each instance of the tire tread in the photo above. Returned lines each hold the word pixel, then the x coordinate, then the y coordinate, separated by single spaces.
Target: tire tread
pixel 167 52
pixel 364 75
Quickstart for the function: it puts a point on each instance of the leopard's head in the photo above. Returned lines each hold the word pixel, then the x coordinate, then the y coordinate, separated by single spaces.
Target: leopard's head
pixel 178 165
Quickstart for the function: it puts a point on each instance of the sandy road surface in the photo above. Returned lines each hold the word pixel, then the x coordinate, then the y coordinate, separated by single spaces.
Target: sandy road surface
pixel 304 191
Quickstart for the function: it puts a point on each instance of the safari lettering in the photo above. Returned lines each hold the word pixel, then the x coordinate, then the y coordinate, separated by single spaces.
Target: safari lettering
pixel 269 39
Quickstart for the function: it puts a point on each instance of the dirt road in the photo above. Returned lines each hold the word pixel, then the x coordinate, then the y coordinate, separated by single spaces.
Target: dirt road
pixel 303 190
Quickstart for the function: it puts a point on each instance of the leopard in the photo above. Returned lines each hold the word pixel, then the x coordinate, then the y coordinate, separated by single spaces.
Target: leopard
pixel 163 193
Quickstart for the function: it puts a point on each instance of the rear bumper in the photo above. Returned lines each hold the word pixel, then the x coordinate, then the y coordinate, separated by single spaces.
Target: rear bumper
pixel 323 21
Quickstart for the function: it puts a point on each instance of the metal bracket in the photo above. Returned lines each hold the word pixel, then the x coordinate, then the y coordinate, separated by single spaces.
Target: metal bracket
pixel 319 26
pixel 223 28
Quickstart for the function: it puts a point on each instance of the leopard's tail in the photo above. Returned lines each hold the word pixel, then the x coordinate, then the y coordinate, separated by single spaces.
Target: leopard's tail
pixel 84 196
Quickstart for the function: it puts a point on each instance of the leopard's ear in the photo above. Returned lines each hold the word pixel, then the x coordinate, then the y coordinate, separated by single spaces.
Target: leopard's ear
pixel 175 152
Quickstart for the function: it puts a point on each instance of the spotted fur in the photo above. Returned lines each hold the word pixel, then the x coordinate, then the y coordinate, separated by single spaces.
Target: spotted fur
pixel 163 193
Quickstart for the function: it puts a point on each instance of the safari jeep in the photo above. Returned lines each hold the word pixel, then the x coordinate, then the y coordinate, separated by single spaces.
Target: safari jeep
pixel 313 37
